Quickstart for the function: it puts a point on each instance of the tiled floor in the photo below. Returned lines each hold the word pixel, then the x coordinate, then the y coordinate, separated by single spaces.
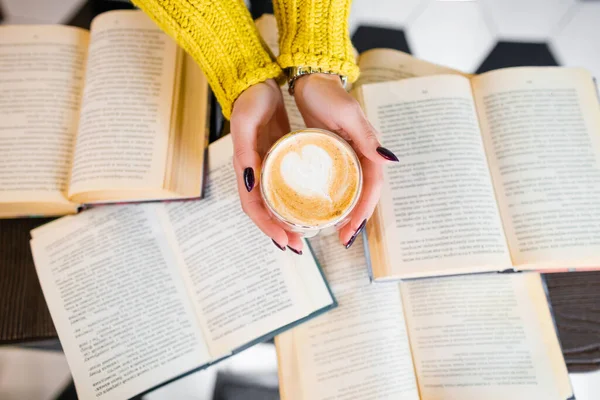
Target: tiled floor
pixel 459 34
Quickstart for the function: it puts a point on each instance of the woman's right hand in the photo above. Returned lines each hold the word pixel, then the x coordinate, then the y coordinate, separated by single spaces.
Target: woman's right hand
pixel 324 103
pixel 258 119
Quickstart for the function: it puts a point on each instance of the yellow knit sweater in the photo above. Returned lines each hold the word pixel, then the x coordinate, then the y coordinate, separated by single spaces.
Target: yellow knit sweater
pixel 220 35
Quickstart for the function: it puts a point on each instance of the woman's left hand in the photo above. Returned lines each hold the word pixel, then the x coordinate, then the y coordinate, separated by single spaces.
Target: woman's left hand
pixel 257 121
pixel 324 103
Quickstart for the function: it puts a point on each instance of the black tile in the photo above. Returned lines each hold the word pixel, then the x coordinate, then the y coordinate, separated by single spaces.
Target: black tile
pixel 232 387
pixel 371 37
pixel 260 7
pixel 83 17
pixel 517 54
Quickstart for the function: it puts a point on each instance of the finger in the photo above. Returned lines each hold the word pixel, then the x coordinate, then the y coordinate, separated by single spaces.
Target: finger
pixel 354 123
pixel 246 162
pixel 295 242
pixel 253 206
pixel 372 182
pixel 371 191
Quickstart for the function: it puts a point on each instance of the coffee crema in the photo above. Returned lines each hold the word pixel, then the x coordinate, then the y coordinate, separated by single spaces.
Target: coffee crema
pixel 311 178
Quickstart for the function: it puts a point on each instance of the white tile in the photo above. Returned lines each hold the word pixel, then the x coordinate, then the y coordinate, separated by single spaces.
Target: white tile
pixel 452 33
pixel 578 42
pixel 388 13
pixel 44 11
pixel 527 20
pixel 19 20
pixel 198 386
pixel 32 374
pixel 586 386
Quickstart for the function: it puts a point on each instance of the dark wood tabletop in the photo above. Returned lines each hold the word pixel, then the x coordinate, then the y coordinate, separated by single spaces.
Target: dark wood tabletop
pixel 24 315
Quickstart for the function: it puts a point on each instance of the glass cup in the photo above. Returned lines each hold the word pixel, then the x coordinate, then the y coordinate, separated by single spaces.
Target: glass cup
pixel 306 230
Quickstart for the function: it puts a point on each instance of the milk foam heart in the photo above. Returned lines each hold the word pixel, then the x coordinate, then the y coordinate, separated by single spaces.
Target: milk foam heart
pixel 308 173
pixel 311 178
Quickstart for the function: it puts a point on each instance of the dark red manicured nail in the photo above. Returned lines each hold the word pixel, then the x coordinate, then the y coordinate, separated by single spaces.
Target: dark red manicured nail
pixel 299 252
pixel 358 231
pixel 278 246
pixel 249 179
pixel 388 155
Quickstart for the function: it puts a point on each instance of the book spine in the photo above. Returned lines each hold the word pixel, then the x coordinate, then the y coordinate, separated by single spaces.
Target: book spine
pixel 367 254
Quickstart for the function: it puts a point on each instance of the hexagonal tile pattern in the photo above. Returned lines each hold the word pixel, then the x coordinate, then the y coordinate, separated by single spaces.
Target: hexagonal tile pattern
pixel 385 13
pixel 452 33
pixel 578 42
pixel 525 19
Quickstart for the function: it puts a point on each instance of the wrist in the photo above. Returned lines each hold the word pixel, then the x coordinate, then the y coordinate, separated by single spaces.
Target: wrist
pixel 309 80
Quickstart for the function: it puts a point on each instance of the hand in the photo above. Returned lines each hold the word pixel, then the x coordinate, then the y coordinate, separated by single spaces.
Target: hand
pixel 258 119
pixel 324 103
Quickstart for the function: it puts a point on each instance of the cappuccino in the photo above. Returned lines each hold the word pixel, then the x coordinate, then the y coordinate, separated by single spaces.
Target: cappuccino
pixel 311 179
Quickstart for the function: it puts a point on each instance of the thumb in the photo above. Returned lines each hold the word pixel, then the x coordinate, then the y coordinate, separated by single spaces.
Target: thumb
pixel 251 111
pixel 246 159
pixel 356 125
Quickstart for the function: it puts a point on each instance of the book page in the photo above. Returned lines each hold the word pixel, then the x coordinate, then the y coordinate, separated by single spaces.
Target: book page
pixel 484 337
pixel 243 287
pixel 358 351
pixel 41 80
pixel 290 385
pixel 267 27
pixel 381 65
pixel 542 136
pixel 125 120
pixel 117 301
pixel 438 209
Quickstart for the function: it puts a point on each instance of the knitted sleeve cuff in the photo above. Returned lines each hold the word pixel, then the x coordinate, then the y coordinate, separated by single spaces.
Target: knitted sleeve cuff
pixel 222 38
pixel 315 33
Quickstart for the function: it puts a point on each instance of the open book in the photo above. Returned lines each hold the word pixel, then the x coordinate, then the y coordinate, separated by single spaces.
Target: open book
pixel 142 294
pixel 471 337
pixel 116 114
pixel 498 171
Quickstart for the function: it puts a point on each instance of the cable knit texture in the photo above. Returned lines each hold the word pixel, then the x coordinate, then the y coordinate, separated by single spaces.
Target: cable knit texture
pixel 315 33
pixel 221 36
